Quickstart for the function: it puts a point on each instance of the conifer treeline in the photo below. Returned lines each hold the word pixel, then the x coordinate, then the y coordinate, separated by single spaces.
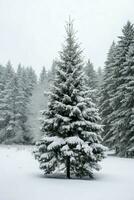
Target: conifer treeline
pixel 21 99
pixel 111 89
pixel 19 109
pixel 117 95
pixel 15 91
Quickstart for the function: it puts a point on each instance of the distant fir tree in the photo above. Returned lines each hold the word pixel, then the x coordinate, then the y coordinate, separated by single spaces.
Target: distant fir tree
pixel 31 77
pixel 91 80
pixel 43 76
pixel 23 82
pixel 99 77
pixel 106 94
pixel 27 80
pixel 91 76
pixel 23 99
pixel 52 72
pixel 71 141
pixel 38 101
pixel 9 72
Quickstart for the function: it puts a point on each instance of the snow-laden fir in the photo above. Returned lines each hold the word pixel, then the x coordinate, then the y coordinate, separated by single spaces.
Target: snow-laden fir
pixel 71 141
pixel 117 100
pixel 106 94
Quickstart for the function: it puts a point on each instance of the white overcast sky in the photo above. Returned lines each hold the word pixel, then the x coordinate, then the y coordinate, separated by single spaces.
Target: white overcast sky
pixel 32 31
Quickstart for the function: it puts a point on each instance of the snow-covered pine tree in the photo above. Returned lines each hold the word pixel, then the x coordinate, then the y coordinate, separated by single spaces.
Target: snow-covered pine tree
pixel 27 82
pixel 22 107
pixel 118 118
pixel 106 94
pixel 5 111
pixel 15 112
pixel 12 127
pixel 127 106
pixel 71 141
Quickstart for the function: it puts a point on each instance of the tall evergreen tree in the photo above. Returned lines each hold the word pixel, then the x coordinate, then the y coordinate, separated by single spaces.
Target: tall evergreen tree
pixel 114 93
pixel 5 108
pixel 71 141
pixel 22 105
pixel 106 93
pixel 11 102
pixel 15 109
pixel 127 106
pixel 117 117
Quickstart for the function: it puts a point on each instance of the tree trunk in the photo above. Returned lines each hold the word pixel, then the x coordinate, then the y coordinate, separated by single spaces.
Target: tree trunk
pixel 68 167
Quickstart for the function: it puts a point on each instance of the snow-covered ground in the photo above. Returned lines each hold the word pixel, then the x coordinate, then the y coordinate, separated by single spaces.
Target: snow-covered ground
pixel 21 179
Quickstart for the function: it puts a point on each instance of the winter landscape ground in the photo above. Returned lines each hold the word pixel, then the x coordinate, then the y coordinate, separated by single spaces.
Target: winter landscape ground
pixel 21 179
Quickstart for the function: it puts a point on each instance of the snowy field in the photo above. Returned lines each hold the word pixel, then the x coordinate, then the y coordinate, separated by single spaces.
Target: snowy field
pixel 21 179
